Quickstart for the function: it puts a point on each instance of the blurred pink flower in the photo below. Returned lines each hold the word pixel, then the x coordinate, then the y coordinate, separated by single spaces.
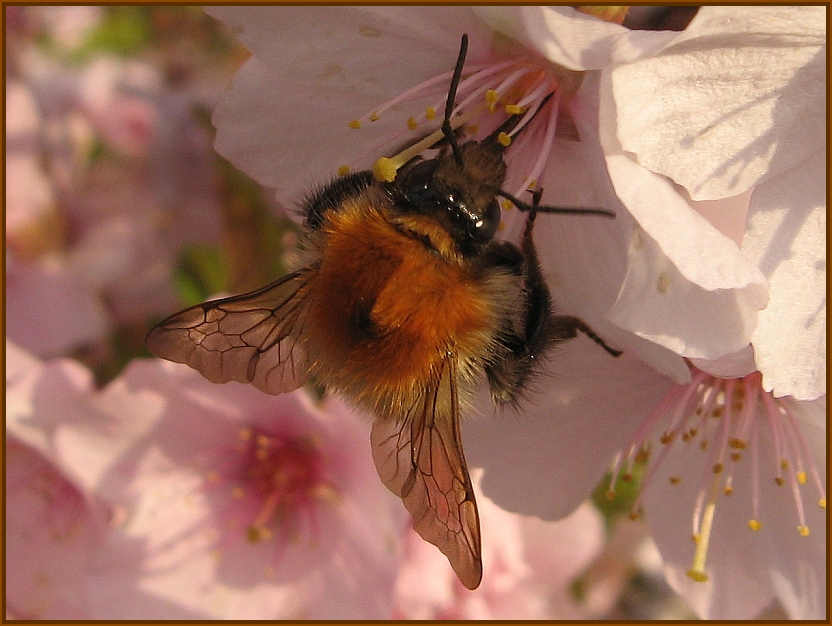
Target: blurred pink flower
pixel 228 503
pixel 53 524
pixel 529 567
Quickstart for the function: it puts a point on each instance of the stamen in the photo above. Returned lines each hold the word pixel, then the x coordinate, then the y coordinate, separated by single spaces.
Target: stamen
pixel 697 570
pixel 385 168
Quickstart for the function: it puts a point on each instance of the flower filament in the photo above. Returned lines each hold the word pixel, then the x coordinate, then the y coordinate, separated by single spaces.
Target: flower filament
pixel 725 418
pixel 487 95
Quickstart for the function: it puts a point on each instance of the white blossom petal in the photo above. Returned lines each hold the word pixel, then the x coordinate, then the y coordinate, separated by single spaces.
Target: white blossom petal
pixel 738 97
pixel 786 237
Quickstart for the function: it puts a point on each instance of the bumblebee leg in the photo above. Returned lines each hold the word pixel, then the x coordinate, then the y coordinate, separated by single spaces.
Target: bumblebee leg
pixel 537 330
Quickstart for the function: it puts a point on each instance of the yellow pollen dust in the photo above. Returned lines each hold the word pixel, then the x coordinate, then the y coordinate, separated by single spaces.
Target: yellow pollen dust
pixel 754 524
pixel 504 140
pixel 803 530
pixel 343 170
pixel 354 124
pixel 411 123
pixel 430 113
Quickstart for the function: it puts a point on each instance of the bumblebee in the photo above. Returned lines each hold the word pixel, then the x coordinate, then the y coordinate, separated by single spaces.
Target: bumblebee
pixel 402 303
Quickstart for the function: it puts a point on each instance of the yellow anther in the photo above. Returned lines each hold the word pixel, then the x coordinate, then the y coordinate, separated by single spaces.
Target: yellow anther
pixel 343 170
pixel 611 494
pixel 374 117
pixel 506 204
pixel 717 469
pixel 504 140
pixel 822 503
pixel 803 530
pixel 430 113
pixel 245 434
pixel 784 464
pixel 238 492
pixel 513 109
pixel 754 524
pixel 411 123
pixel 696 575
pixel 728 490
pixel 780 482
pixel 675 480
pixel 491 97
pixel 355 124
pixel 667 437
pixel 385 170
pixel 801 478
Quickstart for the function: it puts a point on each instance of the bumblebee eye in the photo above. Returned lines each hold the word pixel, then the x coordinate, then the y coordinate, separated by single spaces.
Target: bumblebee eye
pixel 485 227
pixel 417 183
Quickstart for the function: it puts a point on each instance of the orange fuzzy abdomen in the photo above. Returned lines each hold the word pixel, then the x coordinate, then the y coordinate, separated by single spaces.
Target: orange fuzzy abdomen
pixel 384 309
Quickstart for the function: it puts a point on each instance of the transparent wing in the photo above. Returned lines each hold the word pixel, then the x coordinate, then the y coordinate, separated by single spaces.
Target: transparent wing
pixel 252 338
pixel 420 459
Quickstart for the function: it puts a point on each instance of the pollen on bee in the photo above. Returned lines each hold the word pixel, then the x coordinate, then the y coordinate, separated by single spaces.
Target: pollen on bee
pixel 354 124
pixel 343 170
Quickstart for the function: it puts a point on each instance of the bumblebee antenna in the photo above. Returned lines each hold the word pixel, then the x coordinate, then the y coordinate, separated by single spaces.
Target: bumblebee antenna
pixel 536 208
pixel 447 129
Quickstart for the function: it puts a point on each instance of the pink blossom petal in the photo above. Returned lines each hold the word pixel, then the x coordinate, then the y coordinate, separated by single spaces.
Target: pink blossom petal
pixel 545 456
pixel 572 39
pixel 50 311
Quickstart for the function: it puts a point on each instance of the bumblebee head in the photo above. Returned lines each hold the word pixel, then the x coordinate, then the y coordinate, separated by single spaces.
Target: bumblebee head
pixel 458 190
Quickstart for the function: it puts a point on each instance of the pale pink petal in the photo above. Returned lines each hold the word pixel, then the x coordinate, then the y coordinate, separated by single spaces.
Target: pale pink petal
pixel 545 456
pixel 737 98
pixel 787 239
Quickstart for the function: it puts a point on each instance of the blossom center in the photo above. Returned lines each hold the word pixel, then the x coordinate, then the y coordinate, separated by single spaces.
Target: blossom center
pixel 488 94
pixel 278 482
pixel 725 419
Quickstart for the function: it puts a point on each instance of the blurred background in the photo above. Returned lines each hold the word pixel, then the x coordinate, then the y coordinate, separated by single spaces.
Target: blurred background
pixel 119 212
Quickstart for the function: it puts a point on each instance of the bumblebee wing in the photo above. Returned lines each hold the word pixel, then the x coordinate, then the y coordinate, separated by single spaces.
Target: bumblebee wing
pixel 251 338
pixel 420 459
